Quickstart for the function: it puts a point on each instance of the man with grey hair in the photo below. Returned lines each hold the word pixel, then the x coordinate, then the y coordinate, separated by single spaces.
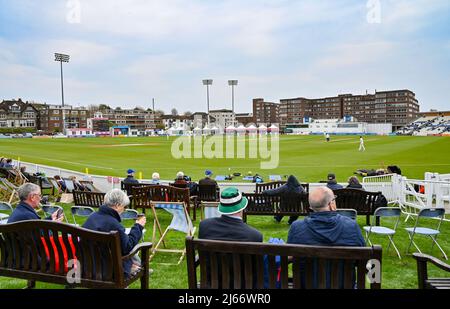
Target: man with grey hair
pixel 30 198
pixel 325 226
pixel 107 219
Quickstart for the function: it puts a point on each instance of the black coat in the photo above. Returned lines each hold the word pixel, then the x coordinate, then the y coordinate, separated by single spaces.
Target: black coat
pixel 23 212
pixel 292 185
pixel 207 181
pixel 227 228
pixel 130 179
pixel 107 219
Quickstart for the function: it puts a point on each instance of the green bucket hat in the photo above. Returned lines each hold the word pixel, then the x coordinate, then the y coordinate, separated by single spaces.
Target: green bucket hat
pixel 231 201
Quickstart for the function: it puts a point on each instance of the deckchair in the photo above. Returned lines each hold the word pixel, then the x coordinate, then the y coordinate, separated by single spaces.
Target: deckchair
pixel 180 222
pixel 209 210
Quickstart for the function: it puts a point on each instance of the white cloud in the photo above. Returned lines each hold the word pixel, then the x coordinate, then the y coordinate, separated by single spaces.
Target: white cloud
pixel 356 54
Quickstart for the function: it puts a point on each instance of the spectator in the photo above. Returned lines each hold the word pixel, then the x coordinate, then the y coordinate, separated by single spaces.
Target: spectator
pixel 292 185
pixel 8 164
pixel 130 178
pixel 61 183
pixel 155 178
pixel 30 198
pixel 107 219
pixel 353 183
pixel 2 162
pixel 230 225
pixel 23 170
pixel 325 226
pixel 77 185
pixel 207 180
pixel 180 179
pixel 331 182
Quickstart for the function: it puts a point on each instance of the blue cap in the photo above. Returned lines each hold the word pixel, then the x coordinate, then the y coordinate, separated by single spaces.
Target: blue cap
pixel 130 171
pixel 208 172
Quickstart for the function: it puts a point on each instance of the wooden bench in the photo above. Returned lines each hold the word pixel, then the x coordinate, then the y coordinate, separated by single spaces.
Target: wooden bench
pixel 422 272
pixel 287 204
pixel 260 187
pixel 86 198
pixel 206 193
pixel 240 265
pixel 361 201
pixel 28 250
pixel 144 195
pixel 128 187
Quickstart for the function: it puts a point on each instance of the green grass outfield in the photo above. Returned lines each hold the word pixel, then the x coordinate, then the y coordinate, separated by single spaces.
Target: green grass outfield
pixel 310 158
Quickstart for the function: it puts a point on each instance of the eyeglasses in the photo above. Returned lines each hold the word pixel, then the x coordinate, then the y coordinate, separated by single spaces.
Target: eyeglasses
pixel 334 199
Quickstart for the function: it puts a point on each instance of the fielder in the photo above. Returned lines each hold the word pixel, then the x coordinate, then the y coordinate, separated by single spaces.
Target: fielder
pixel 361 144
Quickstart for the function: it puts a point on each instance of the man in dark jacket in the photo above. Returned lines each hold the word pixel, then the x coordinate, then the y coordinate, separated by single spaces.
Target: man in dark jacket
pixel 332 183
pixel 230 225
pixel 30 198
pixel 207 180
pixel 107 219
pixel 325 226
pixel 130 177
pixel 353 183
pixel 292 185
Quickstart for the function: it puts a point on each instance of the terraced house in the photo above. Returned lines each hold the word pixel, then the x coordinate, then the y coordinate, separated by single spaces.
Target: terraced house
pixel 19 114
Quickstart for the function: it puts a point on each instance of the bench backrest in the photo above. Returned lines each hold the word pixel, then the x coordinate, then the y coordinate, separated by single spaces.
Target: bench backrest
pixel 39 250
pixel 128 187
pixel 362 201
pixel 260 187
pixel 86 198
pixel 208 192
pixel 142 196
pixel 238 265
pixel 284 204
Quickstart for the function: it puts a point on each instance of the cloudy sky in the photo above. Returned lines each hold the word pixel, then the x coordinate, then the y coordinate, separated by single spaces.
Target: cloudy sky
pixel 125 52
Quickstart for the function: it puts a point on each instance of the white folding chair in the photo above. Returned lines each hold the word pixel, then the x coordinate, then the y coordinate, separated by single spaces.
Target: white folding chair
pixel 5 207
pixel 393 212
pixel 80 211
pixel 180 222
pixel 209 210
pixel 131 214
pixel 432 233
pixel 350 213
pixel 50 209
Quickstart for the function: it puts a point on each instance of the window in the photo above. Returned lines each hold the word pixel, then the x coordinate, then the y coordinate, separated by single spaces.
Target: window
pixel 55 112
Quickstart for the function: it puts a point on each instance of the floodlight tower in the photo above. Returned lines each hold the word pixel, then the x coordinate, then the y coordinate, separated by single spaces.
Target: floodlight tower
pixel 62 58
pixel 232 83
pixel 207 83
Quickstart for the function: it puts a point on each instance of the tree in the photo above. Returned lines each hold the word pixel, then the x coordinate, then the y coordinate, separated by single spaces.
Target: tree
pixel 159 112
pixel 174 112
pixel 188 113
pixel 103 107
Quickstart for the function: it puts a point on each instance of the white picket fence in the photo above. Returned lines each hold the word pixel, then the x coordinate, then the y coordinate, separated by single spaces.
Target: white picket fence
pixel 412 195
